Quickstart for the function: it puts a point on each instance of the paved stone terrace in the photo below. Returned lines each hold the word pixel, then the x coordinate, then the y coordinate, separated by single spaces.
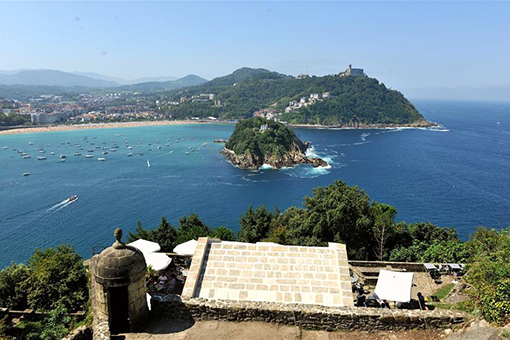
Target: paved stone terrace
pixel 270 272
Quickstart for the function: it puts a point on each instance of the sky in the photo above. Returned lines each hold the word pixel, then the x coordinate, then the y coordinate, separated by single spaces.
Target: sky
pixel 406 45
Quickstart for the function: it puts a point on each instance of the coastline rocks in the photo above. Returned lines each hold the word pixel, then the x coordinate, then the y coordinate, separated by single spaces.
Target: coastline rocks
pixel 289 159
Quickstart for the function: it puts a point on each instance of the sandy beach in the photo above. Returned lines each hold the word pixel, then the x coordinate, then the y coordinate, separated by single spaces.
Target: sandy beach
pixel 52 128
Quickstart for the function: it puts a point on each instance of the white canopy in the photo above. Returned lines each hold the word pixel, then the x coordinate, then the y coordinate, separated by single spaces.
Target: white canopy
pixel 158 261
pixel 454 266
pixel 430 266
pixel 186 248
pixel 394 286
pixel 145 246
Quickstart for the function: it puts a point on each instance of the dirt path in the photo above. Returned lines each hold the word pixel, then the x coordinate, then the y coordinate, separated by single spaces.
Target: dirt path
pixel 220 330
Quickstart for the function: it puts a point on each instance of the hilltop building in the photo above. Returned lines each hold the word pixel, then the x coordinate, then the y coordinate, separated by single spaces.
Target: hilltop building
pixel 352 72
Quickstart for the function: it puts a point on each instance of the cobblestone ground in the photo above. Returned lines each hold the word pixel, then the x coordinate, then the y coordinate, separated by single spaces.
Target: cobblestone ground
pixel 220 330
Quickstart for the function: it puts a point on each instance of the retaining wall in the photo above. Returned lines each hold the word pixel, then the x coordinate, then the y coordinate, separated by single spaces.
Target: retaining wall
pixel 307 316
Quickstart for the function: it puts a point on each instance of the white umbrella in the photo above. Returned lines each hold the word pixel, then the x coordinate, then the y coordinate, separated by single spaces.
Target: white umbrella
pixel 158 261
pixel 145 246
pixel 186 248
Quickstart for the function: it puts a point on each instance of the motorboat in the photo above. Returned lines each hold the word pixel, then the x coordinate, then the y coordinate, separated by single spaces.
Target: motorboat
pixel 31 143
pixel 26 174
pixel 105 152
pixel 62 160
pixel 148 163
pixel 101 159
pixel 72 198
pixel 62 156
pixel 41 158
pixel 77 153
pixel 129 154
pixel 89 156
pixel 27 156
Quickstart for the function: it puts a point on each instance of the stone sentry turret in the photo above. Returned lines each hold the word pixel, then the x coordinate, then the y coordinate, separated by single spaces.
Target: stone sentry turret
pixel 118 289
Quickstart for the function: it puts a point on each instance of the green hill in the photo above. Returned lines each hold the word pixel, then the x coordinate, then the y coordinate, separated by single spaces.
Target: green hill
pixel 352 101
pixel 259 141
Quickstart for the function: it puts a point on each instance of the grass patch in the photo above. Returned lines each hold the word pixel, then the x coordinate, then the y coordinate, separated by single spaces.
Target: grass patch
pixel 442 292
pixel 505 334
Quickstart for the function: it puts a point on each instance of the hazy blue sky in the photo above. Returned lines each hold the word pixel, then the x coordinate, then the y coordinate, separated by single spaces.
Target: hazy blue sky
pixel 404 44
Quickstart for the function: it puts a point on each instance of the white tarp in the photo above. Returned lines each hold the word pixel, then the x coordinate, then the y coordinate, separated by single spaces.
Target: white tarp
pixel 394 286
pixel 145 246
pixel 186 248
pixel 158 261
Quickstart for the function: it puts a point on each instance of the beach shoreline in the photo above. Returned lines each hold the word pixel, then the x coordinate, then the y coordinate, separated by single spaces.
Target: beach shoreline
pixel 90 126
pixel 113 125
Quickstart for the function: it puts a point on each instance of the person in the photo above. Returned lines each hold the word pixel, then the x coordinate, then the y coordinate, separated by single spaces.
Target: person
pixel 162 280
pixel 421 301
pixel 361 299
pixel 385 304
pixel 171 284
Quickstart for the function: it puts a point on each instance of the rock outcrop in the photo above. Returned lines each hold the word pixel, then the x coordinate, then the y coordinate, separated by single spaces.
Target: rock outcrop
pixel 288 160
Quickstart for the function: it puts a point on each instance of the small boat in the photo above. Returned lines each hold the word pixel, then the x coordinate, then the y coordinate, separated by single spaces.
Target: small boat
pixel 77 153
pixel 140 153
pixel 5 147
pixel 90 150
pixel 148 163
pixel 113 150
pixel 167 144
pixel 129 154
pixel 101 159
pixel 31 143
pixel 62 156
pixel 105 152
pixel 159 147
pixel 89 156
pixel 117 135
pixel 72 198
pixel 42 151
pixel 27 156
pixel 186 153
pixel 41 158
pixel 62 160
pixel 26 174
pixel 130 147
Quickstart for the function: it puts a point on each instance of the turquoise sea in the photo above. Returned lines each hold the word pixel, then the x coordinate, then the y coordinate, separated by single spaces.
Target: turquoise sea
pixel 453 176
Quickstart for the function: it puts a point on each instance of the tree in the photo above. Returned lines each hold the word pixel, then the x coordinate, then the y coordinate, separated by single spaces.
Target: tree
pixel 336 213
pixel 383 226
pixel 255 224
pixel 165 235
pixel 191 228
pixel 57 278
pixel 11 293
pixel 140 233
pixel 489 273
pixel 224 234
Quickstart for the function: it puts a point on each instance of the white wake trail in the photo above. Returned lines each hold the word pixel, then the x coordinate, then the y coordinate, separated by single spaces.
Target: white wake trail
pixel 58 204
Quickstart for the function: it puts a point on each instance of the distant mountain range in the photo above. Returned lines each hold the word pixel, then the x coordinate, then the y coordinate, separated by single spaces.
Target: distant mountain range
pixel 93 80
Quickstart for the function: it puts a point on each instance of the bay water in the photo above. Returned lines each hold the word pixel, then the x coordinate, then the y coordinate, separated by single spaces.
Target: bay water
pixel 455 176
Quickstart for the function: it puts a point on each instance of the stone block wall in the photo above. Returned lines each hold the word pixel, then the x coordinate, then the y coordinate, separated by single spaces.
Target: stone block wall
pixel 308 316
pixel 270 272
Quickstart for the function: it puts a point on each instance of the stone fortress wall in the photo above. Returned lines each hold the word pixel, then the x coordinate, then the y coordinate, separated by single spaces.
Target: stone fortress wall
pixel 269 272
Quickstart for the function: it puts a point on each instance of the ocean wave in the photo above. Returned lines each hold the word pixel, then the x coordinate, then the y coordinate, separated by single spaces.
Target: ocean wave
pixel 265 167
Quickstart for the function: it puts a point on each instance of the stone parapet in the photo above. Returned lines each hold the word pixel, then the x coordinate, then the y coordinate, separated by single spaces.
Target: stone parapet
pixel 307 316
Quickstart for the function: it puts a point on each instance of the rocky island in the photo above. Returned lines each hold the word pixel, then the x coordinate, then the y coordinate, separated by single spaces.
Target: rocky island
pixel 258 141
